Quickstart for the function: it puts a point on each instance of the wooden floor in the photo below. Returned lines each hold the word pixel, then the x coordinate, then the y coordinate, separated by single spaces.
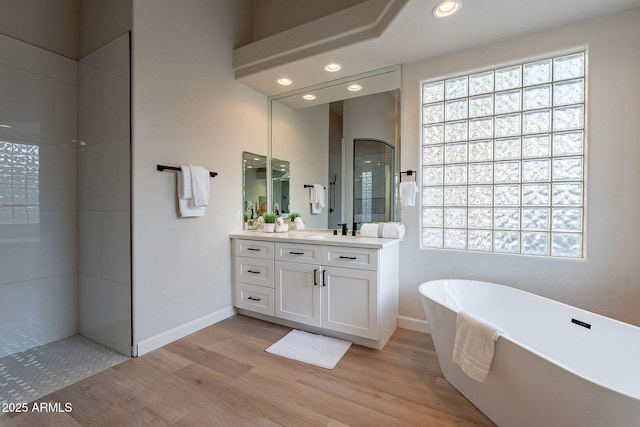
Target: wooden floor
pixel 221 376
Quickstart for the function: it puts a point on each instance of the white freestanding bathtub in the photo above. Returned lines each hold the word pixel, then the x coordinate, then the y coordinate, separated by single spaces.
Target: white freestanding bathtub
pixel 557 366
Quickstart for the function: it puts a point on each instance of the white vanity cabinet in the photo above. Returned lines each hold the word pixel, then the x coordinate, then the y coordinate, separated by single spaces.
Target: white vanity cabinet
pixel 342 290
pixel 254 276
pixel 311 291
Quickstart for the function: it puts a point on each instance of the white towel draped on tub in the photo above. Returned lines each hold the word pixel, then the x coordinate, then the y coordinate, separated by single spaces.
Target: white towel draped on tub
pixel 474 345
pixel 316 198
pixel 193 190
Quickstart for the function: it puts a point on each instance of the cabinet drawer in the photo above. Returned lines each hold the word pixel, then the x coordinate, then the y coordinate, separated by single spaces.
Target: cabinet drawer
pixel 254 271
pixel 254 249
pixel 337 256
pixel 255 298
pixel 308 254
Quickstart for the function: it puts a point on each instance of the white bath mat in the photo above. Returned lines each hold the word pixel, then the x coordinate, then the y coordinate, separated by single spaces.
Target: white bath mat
pixel 310 348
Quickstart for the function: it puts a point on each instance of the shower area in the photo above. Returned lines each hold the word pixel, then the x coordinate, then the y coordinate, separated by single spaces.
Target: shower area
pixel 65 227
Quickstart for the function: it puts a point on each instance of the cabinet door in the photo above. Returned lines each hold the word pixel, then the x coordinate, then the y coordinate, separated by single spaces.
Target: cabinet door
pixel 298 292
pixel 349 301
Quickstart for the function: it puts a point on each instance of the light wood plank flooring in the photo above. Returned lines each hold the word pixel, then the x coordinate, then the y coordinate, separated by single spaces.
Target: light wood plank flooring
pixel 221 376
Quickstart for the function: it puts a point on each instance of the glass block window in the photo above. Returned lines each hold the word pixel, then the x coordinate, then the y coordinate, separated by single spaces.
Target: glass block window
pixel 503 159
pixel 19 183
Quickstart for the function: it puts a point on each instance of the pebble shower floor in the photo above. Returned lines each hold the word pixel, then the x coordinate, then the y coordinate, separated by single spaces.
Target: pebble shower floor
pixel 34 373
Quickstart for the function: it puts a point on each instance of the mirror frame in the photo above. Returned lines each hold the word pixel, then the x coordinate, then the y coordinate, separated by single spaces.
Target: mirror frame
pixel 395 72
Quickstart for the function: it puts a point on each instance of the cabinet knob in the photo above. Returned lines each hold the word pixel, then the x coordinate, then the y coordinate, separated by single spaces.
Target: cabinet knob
pixel 324 283
pixel 315 280
pixel 253 299
pixel 348 257
pixel 253 272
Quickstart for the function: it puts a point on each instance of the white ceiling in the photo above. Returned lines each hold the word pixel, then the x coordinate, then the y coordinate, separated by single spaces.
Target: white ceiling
pixel 416 35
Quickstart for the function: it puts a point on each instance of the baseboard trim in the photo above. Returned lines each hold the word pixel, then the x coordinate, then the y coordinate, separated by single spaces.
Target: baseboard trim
pixel 155 342
pixel 414 324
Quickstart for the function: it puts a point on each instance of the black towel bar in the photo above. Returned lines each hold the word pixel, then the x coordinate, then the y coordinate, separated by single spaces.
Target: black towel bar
pixel 174 168
pixel 311 186
pixel 408 173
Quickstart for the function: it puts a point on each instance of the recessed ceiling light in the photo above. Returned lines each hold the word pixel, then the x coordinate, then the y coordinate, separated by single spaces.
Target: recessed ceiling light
pixel 333 67
pixel 309 97
pixel 285 81
pixel 354 87
pixel 446 8
pixel 5 126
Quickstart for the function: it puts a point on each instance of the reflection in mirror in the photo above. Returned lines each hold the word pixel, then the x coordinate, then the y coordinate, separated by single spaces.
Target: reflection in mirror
pixel 373 172
pixel 254 175
pixel 317 136
pixel 280 186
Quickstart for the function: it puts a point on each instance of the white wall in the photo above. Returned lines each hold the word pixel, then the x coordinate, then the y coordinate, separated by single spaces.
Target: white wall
pixel 104 191
pixel 187 109
pixel 101 22
pixel 274 16
pixel 302 137
pixel 51 25
pixel 608 280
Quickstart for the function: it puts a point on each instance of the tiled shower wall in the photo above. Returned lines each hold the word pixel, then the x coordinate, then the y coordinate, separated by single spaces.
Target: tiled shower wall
pixel 65 257
pixel 38 203
pixel 104 196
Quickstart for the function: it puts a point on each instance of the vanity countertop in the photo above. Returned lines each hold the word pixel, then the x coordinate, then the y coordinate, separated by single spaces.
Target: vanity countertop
pixel 318 237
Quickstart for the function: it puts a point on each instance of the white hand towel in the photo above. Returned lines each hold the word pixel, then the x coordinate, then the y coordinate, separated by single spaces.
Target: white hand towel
pixel 393 230
pixel 200 180
pixel 184 183
pixel 185 204
pixel 408 193
pixel 474 345
pixel 319 194
pixel 316 198
pixel 371 229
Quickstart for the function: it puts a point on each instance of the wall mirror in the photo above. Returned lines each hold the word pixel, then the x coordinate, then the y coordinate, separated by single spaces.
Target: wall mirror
pixel 343 135
pixel 254 184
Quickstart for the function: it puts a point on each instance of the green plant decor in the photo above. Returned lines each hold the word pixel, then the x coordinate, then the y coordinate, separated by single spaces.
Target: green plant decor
pixel 293 216
pixel 269 217
pixel 246 216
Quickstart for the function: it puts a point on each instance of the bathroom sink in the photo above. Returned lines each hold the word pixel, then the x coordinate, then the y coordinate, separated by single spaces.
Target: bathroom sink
pixel 332 237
